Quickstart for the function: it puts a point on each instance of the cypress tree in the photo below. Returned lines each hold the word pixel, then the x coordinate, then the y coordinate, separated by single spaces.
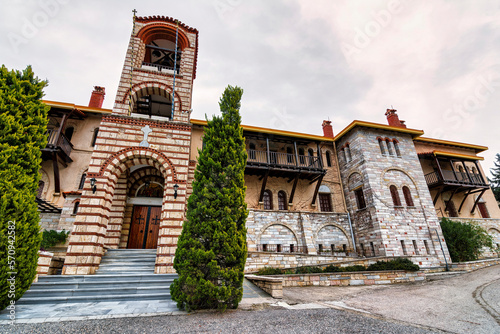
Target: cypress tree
pixel 23 124
pixel 495 181
pixel 211 250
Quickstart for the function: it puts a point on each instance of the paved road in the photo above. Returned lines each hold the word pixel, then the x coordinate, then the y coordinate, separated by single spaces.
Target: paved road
pixel 465 304
pixel 269 321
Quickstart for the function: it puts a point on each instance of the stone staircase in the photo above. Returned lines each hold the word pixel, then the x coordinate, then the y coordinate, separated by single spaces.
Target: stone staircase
pixel 123 275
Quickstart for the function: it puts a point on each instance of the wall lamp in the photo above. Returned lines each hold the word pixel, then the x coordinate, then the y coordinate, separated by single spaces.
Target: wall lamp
pixel 92 185
pixel 176 186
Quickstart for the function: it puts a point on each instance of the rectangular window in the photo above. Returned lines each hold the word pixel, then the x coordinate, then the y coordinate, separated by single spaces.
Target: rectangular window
pixel 325 202
pixel 404 247
pixel 360 198
pixel 362 249
pixel 427 247
pixel 415 247
pixel 332 246
pixel 292 248
pixel 344 248
pixel 450 207
pixel 483 210
pixel 264 248
pixel 320 247
pixel 373 248
pixel 278 248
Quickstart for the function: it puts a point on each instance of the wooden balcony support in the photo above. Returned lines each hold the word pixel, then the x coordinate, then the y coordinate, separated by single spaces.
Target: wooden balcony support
pixel 316 190
pixel 295 181
pixel 263 187
pixel 477 200
pixel 463 200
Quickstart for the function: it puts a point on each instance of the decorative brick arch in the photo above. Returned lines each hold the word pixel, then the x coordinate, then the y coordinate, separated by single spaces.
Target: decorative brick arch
pixel 160 30
pixel 128 157
pixel 281 224
pixel 146 173
pixel 383 183
pixel 151 87
pixel 349 241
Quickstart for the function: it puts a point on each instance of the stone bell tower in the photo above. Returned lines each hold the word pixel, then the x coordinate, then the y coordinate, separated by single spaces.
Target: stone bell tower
pixel 135 193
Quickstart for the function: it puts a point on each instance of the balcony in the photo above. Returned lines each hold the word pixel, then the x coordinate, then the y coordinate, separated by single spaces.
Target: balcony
pixel 60 145
pixel 283 164
pixel 454 178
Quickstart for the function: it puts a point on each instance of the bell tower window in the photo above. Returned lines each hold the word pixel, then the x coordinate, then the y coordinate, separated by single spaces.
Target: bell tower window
pixel 160 53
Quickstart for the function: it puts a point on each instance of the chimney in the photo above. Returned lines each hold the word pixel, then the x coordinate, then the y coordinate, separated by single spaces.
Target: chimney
pixel 393 118
pixel 327 129
pixel 97 97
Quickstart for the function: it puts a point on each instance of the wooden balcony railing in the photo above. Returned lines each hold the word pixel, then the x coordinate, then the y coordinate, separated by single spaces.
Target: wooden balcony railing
pixel 450 177
pixel 282 249
pixel 62 142
pixel 283 159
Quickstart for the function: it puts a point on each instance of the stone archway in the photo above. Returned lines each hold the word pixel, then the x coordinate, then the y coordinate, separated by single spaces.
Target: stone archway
pixel 106 204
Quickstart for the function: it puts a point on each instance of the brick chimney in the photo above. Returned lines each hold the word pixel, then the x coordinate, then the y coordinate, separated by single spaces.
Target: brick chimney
pixel 97 97
pixel 327 129
pixel 393 118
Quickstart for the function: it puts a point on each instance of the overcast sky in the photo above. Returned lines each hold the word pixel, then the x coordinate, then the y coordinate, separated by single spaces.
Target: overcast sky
pixel 299 62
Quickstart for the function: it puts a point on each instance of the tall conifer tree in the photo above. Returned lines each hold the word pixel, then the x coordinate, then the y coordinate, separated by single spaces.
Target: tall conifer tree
pixel 495 181
pixel 23 124
pixel 211 251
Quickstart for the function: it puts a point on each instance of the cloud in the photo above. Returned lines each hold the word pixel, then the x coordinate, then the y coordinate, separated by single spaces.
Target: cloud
pixel 292 58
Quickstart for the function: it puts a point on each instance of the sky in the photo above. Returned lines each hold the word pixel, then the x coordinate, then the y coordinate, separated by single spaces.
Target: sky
pixel 299 62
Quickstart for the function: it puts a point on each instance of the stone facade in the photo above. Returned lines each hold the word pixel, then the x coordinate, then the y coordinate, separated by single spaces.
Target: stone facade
pixel 328 199
pixel 381 227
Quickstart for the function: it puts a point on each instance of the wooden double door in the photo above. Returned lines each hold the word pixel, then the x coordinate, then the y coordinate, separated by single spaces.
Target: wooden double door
pixel 144 227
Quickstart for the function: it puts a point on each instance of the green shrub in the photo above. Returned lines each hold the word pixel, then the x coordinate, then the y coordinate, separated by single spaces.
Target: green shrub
pixel 269 271
pixel 356 267
pixel 465 240
pixel 396 264
pixel 23 127
pixel 211 250
pixel 332 269
pixel 52 238
pixel 308 270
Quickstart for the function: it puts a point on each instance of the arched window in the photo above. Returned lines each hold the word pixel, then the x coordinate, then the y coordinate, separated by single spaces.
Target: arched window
pixel 347 152
pixel 268 200
pixel 75 207
pixel 153 104
pixel 328 159
pixel 68 133
pixel 408 198
pixel 389 147
pixel 381 144
pixel 39 192
pixel 82 181
pixel 251 153
pixel 94 137
pixel 395 195
pixel 396 148
pixel 282 204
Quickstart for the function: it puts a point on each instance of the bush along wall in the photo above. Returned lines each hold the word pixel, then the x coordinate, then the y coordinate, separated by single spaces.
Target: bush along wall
pixel 396 264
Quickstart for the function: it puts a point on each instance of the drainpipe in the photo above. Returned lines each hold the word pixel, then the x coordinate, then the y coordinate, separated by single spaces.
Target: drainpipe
pixel 352 233
pixel 442 250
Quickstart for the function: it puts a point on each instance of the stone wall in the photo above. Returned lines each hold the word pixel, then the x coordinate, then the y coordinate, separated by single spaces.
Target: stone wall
pixel 305 229
pixel 474 265
pixel 44 259
pixel 383 228
pixel 353 278
pixel 271 285
pixel 259 260
pixel 49 221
